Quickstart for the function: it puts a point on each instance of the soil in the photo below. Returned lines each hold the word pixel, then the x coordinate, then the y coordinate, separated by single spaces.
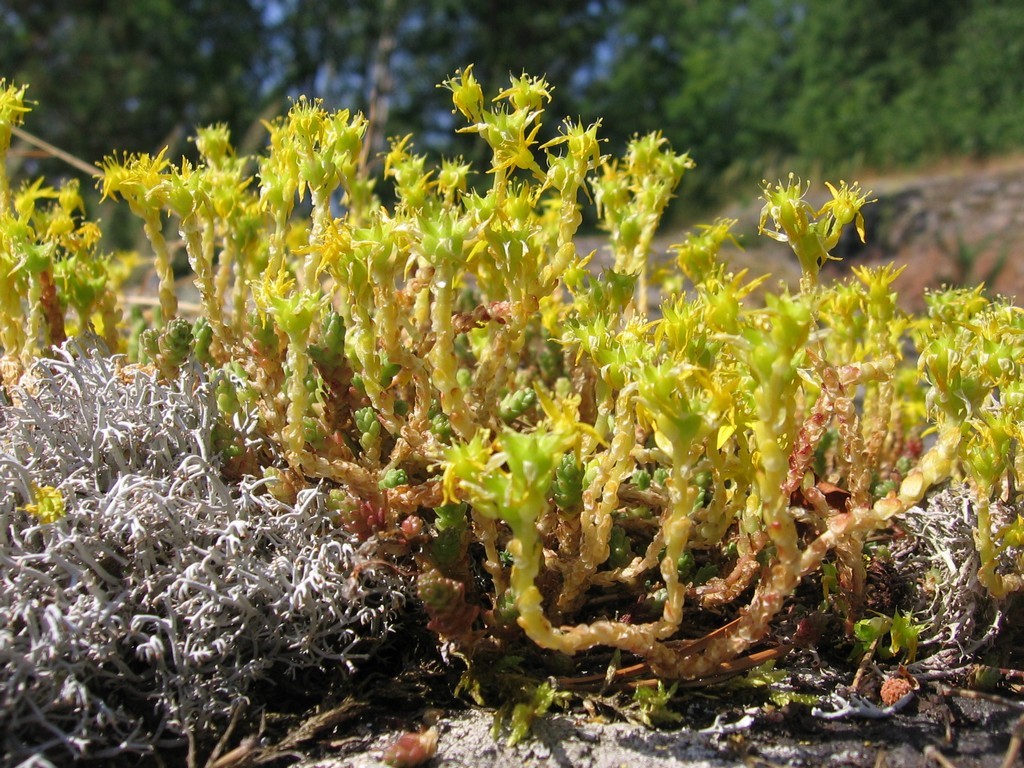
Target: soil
pixel 978 737
pixel 965 728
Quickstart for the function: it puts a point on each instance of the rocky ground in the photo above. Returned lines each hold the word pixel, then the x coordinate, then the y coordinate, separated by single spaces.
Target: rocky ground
pixel 971 733
pixel 939 726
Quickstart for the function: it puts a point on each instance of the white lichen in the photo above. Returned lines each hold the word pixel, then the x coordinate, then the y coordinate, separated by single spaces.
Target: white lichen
pixel 165 594
pixel 956 614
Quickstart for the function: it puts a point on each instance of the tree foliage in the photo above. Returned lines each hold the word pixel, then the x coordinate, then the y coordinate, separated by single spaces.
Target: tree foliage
pixel 133 75
pixel 744 86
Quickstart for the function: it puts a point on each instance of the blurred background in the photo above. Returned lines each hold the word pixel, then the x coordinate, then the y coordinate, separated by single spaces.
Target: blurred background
pixel 751 89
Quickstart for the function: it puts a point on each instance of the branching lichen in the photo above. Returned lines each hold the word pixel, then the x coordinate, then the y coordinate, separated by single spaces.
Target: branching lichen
pixel 161 582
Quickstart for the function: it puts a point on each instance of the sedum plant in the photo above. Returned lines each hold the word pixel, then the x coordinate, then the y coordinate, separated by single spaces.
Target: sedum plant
pixel 561 467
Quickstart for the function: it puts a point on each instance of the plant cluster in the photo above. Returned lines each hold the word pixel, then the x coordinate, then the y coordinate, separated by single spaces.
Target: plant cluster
pixel 564 470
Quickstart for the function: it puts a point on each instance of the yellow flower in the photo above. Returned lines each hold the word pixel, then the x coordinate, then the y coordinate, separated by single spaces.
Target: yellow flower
pixel 12 111
pixel 48 506
pixel 845 206
pixel 467 95
pixel 811 234
pixel 526 93
pixel 138 178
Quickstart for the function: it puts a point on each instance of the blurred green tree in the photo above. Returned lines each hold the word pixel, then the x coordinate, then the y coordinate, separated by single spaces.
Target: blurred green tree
pixel 139 75
pixel 386 57
pixel 748 87
pixel 754 86
pixel 132 76
pixel 860 74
